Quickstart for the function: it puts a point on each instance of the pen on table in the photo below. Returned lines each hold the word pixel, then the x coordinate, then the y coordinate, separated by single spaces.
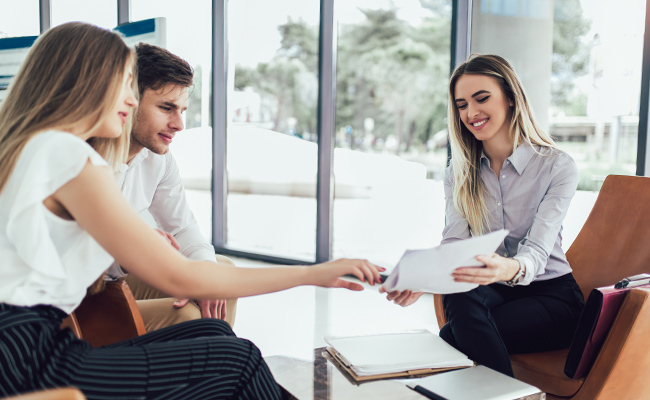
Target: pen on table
pixel 426 392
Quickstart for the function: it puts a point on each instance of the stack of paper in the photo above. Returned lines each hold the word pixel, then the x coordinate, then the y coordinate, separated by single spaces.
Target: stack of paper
pixel 430 270
pixel 405 353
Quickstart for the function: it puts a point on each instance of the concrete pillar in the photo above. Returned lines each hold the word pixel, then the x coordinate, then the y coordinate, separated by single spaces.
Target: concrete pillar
pixel 522 33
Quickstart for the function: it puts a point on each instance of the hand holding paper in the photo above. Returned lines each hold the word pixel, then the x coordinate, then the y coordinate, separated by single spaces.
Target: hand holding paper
pixel 431 270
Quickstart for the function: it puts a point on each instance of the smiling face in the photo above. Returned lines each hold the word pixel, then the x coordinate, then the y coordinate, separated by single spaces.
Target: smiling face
pixel 111 126
pixel 483 107
pixel 158 119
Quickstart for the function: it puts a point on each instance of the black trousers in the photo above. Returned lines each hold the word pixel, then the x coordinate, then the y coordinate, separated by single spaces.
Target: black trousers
pixel 201 359
pixel 492 321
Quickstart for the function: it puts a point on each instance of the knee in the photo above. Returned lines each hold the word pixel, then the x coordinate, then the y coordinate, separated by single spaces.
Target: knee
pixel 161 313
pixel 465 308
pixel 456 304
pixel 459 302
pixel 213 327
pixel 447 335
pixel 189 312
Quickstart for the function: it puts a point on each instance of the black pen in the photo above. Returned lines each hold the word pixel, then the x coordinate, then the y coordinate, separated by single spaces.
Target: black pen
pixel 427 392
pixel 642 279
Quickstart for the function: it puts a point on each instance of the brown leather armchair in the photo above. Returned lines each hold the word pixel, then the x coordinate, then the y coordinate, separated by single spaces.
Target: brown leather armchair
pixel 613 243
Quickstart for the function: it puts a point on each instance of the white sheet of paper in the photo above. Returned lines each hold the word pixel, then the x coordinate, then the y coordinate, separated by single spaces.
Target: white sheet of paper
pixel 430 270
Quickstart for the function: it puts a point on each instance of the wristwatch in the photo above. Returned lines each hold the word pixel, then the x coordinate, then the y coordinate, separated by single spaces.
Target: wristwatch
pixel 515 279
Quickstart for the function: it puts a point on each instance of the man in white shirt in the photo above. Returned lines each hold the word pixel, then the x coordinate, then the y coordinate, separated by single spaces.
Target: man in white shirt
pixel 151 183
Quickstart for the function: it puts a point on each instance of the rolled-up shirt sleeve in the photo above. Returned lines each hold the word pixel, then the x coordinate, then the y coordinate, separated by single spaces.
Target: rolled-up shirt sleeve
pixel 535 248
pixel 456 226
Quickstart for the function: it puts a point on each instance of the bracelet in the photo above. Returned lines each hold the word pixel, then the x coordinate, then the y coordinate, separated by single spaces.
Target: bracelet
pixel 520 273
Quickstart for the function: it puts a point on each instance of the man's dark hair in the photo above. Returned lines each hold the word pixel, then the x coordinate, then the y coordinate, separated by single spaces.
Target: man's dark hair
pixel 158 67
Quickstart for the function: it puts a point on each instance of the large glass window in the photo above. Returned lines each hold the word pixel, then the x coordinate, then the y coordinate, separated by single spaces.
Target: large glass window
pixel 19 18
pixel 102 12
pixel 189 35
pixel 272 111
pixel 391 143
pixel 580 62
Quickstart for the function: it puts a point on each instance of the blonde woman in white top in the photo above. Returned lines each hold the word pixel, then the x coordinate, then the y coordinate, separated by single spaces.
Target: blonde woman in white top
pixel 63 220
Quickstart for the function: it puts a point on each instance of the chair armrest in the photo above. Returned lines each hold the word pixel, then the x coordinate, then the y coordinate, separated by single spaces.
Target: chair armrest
pixel 440 310
pixel 71 322
pixel 619 370
pixel 51 394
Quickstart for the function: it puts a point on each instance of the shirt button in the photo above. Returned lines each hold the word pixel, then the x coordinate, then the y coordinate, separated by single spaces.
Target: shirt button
pixel 498 204
pixel 503 176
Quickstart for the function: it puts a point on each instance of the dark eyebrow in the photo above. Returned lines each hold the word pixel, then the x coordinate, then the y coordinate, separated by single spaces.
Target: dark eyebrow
pixel 169 104
pixel 480 92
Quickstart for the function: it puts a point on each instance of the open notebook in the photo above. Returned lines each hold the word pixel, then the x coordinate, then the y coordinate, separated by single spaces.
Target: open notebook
pixel 411 353
pixel 479 382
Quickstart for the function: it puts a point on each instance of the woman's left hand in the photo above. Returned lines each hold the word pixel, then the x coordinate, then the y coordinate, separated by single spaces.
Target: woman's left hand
pixel 496 269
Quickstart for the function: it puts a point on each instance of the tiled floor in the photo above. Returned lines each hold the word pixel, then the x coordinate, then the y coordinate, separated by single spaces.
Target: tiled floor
pixel 293 322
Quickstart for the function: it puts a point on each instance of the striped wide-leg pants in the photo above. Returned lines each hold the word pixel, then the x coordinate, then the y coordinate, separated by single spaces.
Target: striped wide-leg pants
pixel 201 359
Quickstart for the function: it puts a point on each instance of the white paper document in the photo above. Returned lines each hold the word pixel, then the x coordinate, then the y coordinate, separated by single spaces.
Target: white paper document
pixel 479 382
pixel 430 270
pixel 396 352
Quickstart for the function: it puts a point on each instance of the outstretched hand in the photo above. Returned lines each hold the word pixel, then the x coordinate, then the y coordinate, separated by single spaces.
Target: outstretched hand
pixel 329 274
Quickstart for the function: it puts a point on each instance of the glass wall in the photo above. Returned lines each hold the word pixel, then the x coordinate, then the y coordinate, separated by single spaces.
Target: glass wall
pixel 272 114
pixel 102 12
pixel 189 35
pixel 20 20
pixel 580 62
pixel 391 141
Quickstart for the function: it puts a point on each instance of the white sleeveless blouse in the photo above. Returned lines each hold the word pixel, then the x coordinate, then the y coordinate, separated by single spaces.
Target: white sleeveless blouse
pixel 45 259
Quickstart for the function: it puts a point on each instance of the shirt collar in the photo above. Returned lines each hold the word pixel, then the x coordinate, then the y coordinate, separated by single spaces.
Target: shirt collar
pixel 519 158
pixel 141 156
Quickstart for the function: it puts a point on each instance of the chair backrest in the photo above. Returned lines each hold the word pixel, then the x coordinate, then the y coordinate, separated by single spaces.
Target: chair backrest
pixel 110 316
pixel 615 240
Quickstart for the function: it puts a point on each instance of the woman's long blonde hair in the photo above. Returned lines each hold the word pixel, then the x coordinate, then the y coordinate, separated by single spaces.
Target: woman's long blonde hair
pixel 469 190
pixel 71 77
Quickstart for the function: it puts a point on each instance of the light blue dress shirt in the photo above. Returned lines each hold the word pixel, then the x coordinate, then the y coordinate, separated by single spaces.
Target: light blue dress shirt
pixel 530 198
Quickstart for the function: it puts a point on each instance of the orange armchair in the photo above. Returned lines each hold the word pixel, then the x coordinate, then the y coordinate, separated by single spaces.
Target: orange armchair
pixel 613 243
